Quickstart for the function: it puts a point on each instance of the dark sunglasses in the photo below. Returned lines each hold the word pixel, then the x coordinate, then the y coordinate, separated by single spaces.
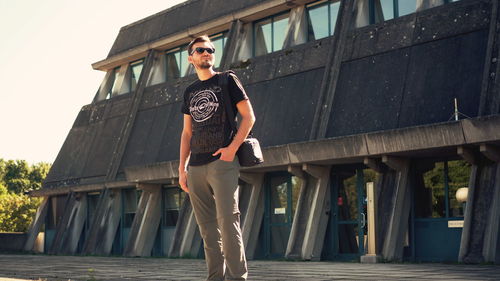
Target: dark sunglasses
pixel 200 50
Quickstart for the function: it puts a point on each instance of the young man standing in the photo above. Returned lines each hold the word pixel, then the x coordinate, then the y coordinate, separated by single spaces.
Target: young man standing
pixel 208 147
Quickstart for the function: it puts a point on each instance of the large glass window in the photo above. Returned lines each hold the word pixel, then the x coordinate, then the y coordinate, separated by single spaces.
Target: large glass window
pixel 322 17
pixel 135 73
pixel 176 62
pixel 389 9
pixel 172 200
pixel 130 200
pixel 437 197
pixel 269 34
pixel 219 41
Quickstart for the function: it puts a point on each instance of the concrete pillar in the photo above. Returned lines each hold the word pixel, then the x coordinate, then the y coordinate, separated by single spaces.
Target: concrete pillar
pixel 187 239
pixel 479 241
pixel 297 27
pixel 62 224
pixel 158 72
pixel 399 209
pixel 122 76
pixel 146 221
pixel 38 221
pixel 105 224
pixel 315 211
pixel 302 211
pixel 254 212
pixel 75 225
pixel 106 85
pixel 243 43
pixel 491 247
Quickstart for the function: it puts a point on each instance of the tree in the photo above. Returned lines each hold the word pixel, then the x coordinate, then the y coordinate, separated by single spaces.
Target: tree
pixel 16 178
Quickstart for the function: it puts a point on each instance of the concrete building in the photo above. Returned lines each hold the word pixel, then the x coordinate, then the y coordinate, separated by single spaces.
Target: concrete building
pixel 402 93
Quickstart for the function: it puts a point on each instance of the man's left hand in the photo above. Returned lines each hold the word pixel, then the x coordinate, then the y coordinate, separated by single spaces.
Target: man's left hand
pixel 226 154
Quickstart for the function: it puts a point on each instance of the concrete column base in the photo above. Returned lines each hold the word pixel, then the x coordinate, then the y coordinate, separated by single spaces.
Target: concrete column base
pixel 370 258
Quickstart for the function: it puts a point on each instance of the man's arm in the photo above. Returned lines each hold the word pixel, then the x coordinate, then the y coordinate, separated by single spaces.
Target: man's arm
pixel 185 151
pixel 247 120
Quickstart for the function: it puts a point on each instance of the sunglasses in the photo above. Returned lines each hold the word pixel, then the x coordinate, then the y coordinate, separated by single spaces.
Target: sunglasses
pixel 201 50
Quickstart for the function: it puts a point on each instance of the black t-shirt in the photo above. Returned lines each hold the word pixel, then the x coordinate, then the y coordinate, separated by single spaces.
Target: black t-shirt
pixel 204 101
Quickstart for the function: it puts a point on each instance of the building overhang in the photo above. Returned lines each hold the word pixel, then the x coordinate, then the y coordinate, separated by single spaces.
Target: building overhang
pixel 427 141
pixel 210 27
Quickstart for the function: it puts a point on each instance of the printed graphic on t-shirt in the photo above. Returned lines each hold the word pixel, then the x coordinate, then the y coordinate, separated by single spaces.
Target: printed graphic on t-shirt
pixel 203 105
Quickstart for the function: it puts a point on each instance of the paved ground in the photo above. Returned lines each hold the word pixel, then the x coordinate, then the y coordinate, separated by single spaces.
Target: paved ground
pixel 44 267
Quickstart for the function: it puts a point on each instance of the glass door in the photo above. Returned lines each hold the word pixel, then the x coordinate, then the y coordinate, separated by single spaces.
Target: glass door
pixel 437 214
pixel 346 231
pixel 281 193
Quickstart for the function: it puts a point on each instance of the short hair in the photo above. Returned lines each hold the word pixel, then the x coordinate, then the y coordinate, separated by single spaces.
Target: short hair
pixel 203 38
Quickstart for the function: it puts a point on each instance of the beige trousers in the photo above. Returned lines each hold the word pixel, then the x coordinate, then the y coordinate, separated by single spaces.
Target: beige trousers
pixel 213 191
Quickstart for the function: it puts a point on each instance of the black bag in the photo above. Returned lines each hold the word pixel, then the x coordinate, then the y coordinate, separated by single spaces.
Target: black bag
pixel 249 154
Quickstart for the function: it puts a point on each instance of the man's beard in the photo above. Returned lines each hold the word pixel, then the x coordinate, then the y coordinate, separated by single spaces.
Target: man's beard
pixel 205 65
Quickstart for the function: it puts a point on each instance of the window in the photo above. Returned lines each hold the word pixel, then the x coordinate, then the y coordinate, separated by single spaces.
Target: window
pixel 321 18
pixel 436 198
pixel 382 10
pixel 172 200
pixel 176 62
pixel 269 34
pixel 130 200
pixel 112 82
pixel 219 41
pixel 135 73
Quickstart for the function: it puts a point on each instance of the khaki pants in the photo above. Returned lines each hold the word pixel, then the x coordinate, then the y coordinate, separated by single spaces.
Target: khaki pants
pixel 213 191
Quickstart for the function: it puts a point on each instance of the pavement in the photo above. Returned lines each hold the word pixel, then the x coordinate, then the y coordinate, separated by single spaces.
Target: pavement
pixel 92 268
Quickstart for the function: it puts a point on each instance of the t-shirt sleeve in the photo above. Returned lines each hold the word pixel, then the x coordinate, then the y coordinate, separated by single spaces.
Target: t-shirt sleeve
pixel 236 89
pixel 185 107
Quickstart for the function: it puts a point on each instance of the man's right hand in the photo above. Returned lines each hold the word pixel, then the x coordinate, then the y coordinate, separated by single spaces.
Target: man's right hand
pixel 183 180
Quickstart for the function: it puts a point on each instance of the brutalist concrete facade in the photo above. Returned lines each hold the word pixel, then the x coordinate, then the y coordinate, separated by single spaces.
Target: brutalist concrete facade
pixel 373 95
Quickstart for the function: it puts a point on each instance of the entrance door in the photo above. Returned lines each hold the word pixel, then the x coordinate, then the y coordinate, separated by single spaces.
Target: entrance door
pixel 437 215
pixel 281 192
pixel 345 237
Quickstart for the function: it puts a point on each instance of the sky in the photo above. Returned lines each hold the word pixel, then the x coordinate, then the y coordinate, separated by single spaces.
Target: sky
pixel 46 51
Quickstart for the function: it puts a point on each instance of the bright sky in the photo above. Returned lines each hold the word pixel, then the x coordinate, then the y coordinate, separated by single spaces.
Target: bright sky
pixel 46 51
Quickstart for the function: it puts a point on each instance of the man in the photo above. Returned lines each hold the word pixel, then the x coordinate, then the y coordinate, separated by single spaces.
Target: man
pixel 208 147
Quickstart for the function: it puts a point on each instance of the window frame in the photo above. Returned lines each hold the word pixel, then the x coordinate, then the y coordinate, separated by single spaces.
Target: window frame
pixel 317 4
pixel 271 17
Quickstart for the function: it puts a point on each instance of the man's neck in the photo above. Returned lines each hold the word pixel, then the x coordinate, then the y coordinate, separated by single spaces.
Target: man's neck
pixel 205 74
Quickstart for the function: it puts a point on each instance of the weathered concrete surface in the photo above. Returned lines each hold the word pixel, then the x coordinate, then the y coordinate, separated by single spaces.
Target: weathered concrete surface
pixel 119 268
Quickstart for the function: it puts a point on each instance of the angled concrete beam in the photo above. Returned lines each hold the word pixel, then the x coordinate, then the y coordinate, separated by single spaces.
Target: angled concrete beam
pixel 76 224
pixel 466 230
pixel 187 239
pixel 374 164
pixel 296 171
pixel 146 221
pixel 491 252
pixel 63 224
pixel 316 228
pixel 105 223
pixel 158 70
pixel 297 27
pixel 254 213
pixel 467 154
pixel 399 210
pixel 106 85
pixel 490 151
pixel 300 219
pixel 35 225
pixel 395 163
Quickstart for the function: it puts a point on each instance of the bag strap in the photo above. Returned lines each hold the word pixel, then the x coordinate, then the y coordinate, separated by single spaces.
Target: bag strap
pixel 227 99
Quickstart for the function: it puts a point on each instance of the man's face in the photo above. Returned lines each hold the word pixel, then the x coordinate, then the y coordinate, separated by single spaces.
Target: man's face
pixel 202 60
